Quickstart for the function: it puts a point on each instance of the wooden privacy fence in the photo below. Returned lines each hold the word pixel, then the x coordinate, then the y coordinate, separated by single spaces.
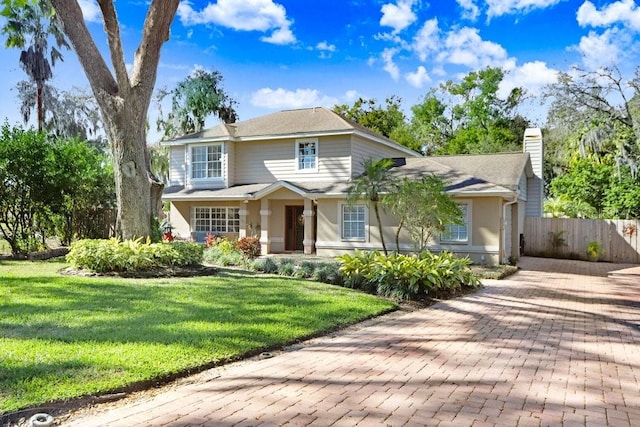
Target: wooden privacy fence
pixel 618 238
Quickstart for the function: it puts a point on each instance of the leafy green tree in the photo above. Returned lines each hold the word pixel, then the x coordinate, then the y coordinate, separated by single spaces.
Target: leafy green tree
pixel 599 112
pixel 28 186
pixel 29 26
pixel 586 181
pixel 468 117
pixel 375 180
pixel 423 208
pixel 194 99
pixel 84 176
pixel 366 112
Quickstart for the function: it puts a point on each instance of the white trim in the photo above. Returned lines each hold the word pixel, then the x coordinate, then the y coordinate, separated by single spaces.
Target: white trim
pixel 190 163
pixel 308 212
pixel 297 143
pixel 265 212
pixel 276 186
pixel 366 222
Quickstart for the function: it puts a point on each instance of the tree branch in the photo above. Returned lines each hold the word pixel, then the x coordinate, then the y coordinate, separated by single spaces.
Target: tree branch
pixel 99 75
pixel 112 29
pixel 155 32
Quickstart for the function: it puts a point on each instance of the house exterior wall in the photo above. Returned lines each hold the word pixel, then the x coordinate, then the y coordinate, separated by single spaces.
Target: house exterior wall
pixel 484 245
pixel 177 165
pixel 363 150
pixel 274 160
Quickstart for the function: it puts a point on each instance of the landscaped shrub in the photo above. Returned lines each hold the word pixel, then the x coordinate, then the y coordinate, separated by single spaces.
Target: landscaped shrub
pixel 224 256
pixel 131 255
pixel 406 276
pixel 250 247
pixel 269 266
pixel 286 267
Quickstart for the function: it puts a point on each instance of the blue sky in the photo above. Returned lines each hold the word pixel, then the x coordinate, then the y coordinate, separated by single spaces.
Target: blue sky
pixel 281 54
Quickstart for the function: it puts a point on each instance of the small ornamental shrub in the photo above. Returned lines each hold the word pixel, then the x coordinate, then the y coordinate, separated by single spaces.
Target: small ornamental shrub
pixel 131 255
pixel 286 267
pixel 223 255
pixel 250 247
pixel 406 276
pixel 269 266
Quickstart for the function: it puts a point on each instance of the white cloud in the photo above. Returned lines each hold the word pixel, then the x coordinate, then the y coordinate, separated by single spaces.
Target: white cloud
pixel 248 15
pixel 419 78
pixel 90 11
pixel 323 45
pixel 466 47
pixel 506 7
pixel 533 76
pixel 471 10
pixel 351 95
pixel 280 36
pixel 389 65
pixel 398 16
pixel 625 12
pixel 600 50
pixel 427 39
pixel 285 99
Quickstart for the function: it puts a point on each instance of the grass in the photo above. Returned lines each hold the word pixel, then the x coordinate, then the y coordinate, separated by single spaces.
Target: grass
pixel 64 336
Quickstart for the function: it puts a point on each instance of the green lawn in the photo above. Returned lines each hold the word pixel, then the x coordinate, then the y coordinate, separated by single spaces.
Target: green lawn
pixel 63 337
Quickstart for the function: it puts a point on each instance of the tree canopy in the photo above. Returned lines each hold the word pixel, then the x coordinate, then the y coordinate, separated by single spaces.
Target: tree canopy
pixel 195 98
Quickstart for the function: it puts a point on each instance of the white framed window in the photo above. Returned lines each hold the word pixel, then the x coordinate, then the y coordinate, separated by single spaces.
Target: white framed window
pixel 206 161
pixel 353 222
pixel 307 155
pixel 458 233
pixel 216 220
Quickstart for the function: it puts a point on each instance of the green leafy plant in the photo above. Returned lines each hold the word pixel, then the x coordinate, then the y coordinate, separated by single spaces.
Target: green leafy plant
pixel 594 250
pixel 557 241
pixel 406 276
pixel 131 255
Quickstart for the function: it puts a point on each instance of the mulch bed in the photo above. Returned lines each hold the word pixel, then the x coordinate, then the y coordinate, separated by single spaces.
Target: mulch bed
pixel 186 271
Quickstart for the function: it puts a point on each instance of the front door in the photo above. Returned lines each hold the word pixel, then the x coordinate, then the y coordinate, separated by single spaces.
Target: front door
pixel 294 228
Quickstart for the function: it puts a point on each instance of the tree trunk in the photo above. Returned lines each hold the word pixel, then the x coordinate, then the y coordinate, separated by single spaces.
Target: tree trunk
pixel 39 111
pixel 377 211
pixel 128 145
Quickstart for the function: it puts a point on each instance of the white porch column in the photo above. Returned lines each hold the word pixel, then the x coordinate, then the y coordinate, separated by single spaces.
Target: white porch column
pixel 243 212
pixel 308 242
pixel 265 213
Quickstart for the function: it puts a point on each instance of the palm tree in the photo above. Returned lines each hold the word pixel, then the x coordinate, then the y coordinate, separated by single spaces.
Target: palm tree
pixel 29 27
pixel 375 180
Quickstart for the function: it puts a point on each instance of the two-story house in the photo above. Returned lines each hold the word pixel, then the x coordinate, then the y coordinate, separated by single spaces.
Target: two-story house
pixel 284 177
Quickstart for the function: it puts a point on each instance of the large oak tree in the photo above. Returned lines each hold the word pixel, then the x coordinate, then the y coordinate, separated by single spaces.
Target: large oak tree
pixel 124 100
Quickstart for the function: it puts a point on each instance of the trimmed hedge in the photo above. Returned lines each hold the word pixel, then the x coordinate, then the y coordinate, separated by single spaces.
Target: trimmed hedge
pixel 104 256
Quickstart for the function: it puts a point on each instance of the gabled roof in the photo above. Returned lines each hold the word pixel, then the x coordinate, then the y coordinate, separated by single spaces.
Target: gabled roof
pixel 305 122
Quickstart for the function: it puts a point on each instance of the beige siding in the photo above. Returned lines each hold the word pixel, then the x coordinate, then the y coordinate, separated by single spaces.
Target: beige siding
pixel 363 150
pixel 485 232
pixel 274 160
pixel 177 165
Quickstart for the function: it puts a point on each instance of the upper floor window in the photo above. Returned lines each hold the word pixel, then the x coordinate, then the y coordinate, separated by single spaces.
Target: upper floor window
pixel 307 155
pixel 458 233
pixel 206 161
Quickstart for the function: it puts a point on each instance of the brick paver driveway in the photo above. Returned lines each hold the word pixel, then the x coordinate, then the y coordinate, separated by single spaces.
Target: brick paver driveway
pixel 556 344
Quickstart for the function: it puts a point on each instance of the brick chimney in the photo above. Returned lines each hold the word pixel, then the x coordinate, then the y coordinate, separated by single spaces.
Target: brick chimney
pixel 535 185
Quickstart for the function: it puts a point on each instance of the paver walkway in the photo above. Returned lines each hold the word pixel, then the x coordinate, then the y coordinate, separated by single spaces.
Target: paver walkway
pixel 556 344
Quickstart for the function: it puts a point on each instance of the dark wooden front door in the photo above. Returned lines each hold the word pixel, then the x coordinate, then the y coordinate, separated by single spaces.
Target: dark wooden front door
pixel 294 228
